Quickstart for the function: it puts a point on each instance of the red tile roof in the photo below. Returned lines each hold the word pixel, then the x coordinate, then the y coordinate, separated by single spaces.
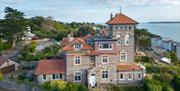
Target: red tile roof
pixel 128 67
pixel 85 46
pixel 51 66
pixel 121 19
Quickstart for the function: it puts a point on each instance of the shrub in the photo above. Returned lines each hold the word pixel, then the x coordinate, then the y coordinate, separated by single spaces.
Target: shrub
pixel 60 85
pixel 1 76
pixel 125 88
pixel 145 59
pixel 167 88
pixel 152 85
pixel 176 82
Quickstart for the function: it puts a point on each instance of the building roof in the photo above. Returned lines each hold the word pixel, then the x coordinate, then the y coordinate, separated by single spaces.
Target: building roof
pixel 128 67
pixel 121 19
pixel 3 59
pixel 51 66
pixel 85 46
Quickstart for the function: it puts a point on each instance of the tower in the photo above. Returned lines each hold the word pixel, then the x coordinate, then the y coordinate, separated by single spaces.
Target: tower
pixel 122 29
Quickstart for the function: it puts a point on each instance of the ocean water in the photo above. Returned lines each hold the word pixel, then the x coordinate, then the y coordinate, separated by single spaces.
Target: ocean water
pixel 171 30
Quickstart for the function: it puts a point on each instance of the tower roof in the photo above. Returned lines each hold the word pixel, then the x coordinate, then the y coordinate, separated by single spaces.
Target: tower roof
pixel 121 19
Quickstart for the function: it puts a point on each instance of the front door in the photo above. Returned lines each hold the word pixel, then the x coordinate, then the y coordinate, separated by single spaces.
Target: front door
pixel 92 80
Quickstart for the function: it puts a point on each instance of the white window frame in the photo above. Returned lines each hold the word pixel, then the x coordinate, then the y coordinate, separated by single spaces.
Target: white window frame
pixel 79 75
pixel 105 74
pixel 92 59
pixel 57 76
pixel 127 39
pixel 43 77
pixel 120 76
pixel 77 46
pixel 139 74
pixel 109 44
pixel 75 59
pixel 103 59
pixel 130 74
pixel 121 56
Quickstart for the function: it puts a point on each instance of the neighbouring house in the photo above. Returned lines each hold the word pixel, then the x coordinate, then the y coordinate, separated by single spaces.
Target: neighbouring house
pixel 177 50
pixel 162 59
pixel 164 43
pixel 7 65
pixel 43 43
pixel 105 59
pixel 28 36
pixel 161 45
pixel 165 60
pixel 50 69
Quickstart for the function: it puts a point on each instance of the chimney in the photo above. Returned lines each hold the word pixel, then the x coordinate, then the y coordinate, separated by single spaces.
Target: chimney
pixel 70 37
pixel 111 16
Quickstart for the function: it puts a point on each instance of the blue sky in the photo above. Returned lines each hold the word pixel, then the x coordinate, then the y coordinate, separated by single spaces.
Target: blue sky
pixel 96 10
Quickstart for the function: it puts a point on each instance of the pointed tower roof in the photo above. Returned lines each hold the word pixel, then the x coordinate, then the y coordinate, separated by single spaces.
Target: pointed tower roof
pixel 121 19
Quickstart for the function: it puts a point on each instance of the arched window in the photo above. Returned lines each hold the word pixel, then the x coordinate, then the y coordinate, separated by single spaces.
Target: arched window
pixel 127 39
pixel 118 37
pixel 123 56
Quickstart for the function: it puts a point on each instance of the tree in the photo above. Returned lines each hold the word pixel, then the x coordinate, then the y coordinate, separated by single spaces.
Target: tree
pixel 14 24
pixel 176 82
pixel 84 30
pixel 174 57
pixel 1 76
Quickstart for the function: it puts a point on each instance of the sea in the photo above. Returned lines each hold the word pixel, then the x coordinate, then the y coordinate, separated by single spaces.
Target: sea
pixel 167 30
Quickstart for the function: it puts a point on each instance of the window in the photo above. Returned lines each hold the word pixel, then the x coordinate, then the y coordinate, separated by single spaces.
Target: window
pixel 127 39
pixel 92 59
pixel 104 59
pixel 129 76
pixel 44 77
pixel 139 76
pixel 77 60
pixel 77 46
pixel 125 27
pixel 121 77
pixel 123 56
pixel 105 74
pixel 130 28
pixel 77 77
pixel 116 27
pixel 119 40
pixel 105 46
pixel 121 27
pixel 57 76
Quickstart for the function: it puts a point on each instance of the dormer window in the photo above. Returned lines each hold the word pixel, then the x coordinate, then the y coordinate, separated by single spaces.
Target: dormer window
pixel 105 46
pixel 77 46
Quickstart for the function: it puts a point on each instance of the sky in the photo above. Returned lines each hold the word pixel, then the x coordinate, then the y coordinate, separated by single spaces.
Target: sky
pixel 97 11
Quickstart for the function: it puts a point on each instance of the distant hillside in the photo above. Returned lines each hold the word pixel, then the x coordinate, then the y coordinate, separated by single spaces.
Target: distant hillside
pixel 47 27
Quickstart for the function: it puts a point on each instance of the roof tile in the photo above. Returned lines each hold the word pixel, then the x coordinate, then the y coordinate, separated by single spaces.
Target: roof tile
pixel 51 66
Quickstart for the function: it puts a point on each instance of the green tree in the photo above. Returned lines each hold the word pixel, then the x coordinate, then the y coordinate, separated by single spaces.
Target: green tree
pixel 176 82
pixel 84 30
pixel 174 57
pixel 13 24
pixel 1 76
pixel 1 44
